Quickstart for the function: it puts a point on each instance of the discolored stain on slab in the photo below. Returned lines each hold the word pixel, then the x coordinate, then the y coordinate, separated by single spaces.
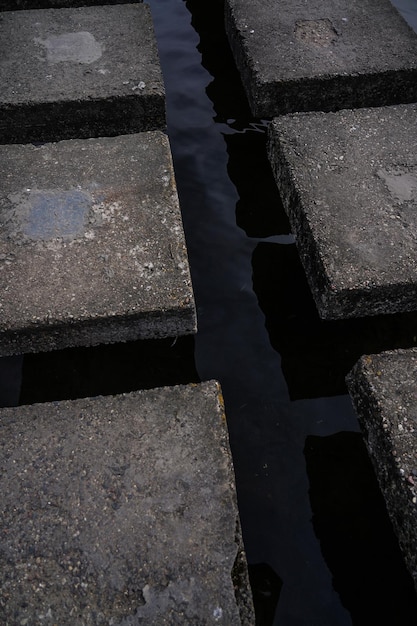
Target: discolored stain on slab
pixel 315 32
pixel 49 214
pixel 401 182
pixel 79 47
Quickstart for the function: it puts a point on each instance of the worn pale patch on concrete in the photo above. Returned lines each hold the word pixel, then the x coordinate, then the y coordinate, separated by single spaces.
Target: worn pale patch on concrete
pixel 44 214
pixel 348 182
pixel 121 510
pixel 295 55
pixel 401 183
pixel 78 47
pixel 384 393
pixel 79 72
pixel 92 247
pixel 315 32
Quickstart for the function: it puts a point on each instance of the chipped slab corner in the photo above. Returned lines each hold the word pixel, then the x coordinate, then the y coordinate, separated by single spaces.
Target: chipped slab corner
pixel 348 182
pixel 383 388
pixel 141 526
pixel 92 247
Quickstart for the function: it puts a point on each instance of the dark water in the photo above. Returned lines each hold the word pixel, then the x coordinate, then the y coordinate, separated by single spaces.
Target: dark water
pixel 310 508
pixel 315 527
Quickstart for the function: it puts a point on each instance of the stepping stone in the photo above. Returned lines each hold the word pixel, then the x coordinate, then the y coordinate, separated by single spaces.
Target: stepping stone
pixel 121 510
pixel 14 5
pixel 81 72
pixel 384 392
pixel 92 247
pixel 321 55
pixel 348 181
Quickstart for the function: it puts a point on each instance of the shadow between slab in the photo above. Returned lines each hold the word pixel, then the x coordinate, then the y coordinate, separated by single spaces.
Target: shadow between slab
pixel 316 354
pixel 355 534
pixel 107 369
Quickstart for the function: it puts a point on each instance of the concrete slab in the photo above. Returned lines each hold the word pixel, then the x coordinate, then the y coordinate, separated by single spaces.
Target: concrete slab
pixel 384 393
pixel 321 55
pixel 16 5
pixel 80 72
pixel 92 247
pixel 348 181
pixel 121 510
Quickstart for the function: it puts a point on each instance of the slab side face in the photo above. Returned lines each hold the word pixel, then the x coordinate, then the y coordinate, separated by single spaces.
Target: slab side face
pixel 321 55
pixel 348 181
pixel 120 510
pixel 384 392
pixel 92 247
pixel 79 72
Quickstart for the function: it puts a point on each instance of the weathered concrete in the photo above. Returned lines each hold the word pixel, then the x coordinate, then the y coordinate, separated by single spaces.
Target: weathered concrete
pixel 16 5
pixel 121 510
pixel 79 73
pixel 92 248
pixel 348 181
pixel 383 389
pixel 321 55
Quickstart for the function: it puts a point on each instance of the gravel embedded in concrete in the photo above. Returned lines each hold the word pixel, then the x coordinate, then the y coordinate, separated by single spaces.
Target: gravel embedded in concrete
pixel 383 388
pixel 79 72
pixel 321 55
pixel 121 510
pixel 348 181
pixel 16 5
pixel 92 247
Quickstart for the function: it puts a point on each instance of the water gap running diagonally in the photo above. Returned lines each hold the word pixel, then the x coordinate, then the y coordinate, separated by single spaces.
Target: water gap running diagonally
pixel 315 527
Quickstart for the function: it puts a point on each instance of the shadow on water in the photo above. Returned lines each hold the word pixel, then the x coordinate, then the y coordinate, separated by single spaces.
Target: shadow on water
pixel 107 370
pixel 316 354
pixel 258 214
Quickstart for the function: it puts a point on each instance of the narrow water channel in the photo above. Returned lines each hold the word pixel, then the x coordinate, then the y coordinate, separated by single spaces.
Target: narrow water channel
pixel 315 527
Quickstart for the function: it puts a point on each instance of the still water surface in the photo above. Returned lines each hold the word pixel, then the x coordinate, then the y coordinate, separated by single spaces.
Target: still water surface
pixel 310 509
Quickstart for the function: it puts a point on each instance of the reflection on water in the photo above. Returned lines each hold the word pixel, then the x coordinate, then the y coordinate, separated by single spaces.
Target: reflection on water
pixel 408 10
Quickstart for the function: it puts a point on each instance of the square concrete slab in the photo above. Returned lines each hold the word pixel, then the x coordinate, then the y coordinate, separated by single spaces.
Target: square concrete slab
pixel 15 5
pixel 295 55
pixel 121 510
pixel 383 388
pixel 81 72
pixel 92 247
pixel 348 181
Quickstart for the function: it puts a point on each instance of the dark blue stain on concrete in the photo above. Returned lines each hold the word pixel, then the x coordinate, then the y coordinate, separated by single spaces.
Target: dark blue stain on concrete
pixel 54 214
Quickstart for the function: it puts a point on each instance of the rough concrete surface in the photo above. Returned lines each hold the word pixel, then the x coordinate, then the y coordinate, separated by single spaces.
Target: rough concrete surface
pixel 16 5
pixel 121 510
pixel 295 55
pixel 79 73
pixel 383 388
pixel 348 181
pixel 92 247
